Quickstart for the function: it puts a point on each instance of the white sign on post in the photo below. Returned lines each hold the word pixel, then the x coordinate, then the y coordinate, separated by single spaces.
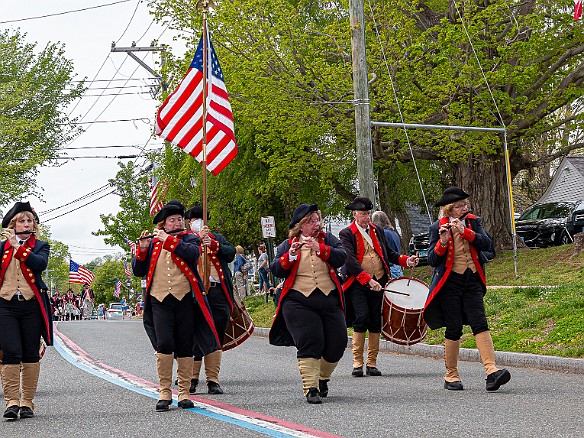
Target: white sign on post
pixel 268 226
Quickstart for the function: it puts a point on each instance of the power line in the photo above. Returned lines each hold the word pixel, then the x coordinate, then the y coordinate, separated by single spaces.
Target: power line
pixel 63 13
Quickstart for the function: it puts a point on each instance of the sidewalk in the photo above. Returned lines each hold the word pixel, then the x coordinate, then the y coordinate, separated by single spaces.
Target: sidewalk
pixel 526 360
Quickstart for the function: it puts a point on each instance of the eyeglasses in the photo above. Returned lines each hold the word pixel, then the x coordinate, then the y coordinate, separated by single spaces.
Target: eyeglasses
pixel 313 221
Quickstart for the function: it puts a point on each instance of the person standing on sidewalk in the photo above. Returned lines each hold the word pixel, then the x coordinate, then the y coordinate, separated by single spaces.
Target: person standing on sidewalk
pixel 310 313
pixel 176 310
pixel 219 295
pixel 367 271
pixel 25 309
pixel 459 285
pixel 263 264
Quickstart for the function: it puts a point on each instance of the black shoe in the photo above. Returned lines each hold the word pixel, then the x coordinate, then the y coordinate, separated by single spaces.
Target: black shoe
pixel 186 404
pixel 11 412
pixel 193 388
pixel 162 405
pixel 214 388
pixel 176 382
pixel 323 387
pixel 453 386
pixel 357 372
pixel 498 378
pixel 372 371
pixel 26 412
pixel 313 397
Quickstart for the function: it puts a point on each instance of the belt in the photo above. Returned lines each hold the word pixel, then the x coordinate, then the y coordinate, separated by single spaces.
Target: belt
pixel 214 284
pixel 19 297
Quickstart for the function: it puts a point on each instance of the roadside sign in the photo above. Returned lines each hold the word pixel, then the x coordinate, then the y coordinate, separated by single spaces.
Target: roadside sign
pixel 268 227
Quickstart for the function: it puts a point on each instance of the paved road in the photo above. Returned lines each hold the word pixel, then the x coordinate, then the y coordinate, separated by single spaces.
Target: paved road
pixel 263 388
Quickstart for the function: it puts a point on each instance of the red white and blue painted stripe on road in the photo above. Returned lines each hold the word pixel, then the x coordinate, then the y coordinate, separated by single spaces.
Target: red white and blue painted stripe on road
pixel 255 421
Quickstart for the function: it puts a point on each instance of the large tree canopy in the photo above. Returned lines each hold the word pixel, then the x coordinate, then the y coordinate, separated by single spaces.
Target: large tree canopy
pixel 35 89
pixel 287 65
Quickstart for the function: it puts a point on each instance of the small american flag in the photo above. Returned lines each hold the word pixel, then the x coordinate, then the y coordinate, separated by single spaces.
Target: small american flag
pixel 79 274
pixel 180 117
pixel 132 246
pixel 577 9
pixel 127 269
pixel 118 289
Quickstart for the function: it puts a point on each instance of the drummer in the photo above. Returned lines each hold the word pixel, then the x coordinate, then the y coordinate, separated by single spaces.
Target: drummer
pixel 458 286
pixel 219 295
pixel 367 270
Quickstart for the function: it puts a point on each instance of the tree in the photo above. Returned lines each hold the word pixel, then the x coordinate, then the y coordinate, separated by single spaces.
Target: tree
pixel 35 89
pixel 287 66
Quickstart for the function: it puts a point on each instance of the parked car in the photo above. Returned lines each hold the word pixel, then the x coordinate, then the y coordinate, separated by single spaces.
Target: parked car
pixel 114 311
pixel 419 244
pixel 550 224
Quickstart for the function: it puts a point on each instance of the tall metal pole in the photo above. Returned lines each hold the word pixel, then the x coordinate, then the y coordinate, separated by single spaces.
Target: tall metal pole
pixel 361 101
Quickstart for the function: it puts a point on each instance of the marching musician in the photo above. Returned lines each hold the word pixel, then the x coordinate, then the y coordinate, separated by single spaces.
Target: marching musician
pixel 219 295
pixel 175 311
pixel 458 286
pixel 367 270
pixel 25 310
pixel 310 313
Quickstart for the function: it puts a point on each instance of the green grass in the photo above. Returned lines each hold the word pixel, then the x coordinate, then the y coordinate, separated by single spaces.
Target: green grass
pixel 543 314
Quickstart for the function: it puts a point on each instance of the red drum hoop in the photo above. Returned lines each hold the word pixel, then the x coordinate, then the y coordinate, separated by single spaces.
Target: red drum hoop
pixel 239 327
pixel 402 311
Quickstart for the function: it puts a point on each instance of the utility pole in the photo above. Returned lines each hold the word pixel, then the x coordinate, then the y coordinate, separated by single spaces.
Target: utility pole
pixel 361 101
pixel 130 52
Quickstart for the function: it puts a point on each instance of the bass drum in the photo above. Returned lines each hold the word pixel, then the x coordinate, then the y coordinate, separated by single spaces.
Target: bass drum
pixel 402 311
pixel 240 325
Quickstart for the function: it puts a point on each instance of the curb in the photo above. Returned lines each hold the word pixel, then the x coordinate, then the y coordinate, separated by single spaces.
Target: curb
pixel 525 360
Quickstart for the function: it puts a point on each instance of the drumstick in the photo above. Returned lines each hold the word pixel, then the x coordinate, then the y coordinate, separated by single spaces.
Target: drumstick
pixel 396 292
pixel 412 271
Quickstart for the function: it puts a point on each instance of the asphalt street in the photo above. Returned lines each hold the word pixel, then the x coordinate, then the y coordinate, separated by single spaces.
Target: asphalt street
pixel 407 401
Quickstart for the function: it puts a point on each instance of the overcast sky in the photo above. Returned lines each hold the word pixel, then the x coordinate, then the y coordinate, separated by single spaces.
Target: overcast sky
pixel 87 36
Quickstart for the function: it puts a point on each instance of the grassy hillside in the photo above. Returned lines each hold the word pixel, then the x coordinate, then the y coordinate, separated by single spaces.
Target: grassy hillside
pixel 542 313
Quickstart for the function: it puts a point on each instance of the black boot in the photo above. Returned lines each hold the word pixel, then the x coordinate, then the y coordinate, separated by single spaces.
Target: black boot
pixel 357 372
pixel 26 412
pixel 11 412
pixel 193 388
pixel 214 388
pixel 162 405
pixel 372 371
pixel 323 387
pixel 498 378
pixel 313 397
pixel 186 404
pixel 453 386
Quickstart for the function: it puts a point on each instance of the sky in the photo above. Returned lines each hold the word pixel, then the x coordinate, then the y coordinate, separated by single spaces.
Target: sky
pixel 119 91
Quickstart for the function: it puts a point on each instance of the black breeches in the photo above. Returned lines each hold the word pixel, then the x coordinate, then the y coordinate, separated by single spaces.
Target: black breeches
pixel 461 300
pixel 367 306
pixel 21 325
pixel 316 323
pixel 174 324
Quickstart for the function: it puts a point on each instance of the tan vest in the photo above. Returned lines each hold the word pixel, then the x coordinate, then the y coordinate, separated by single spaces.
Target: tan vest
pixel 462 256
pixel 14 280
pixel 168 279
pixel 372 263
pixel 312 273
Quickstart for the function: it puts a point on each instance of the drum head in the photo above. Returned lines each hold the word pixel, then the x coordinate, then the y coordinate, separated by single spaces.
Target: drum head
pixel 407 293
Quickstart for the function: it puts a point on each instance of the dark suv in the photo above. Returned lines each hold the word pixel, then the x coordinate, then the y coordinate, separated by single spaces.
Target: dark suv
pixel 419 243
pixel 550 224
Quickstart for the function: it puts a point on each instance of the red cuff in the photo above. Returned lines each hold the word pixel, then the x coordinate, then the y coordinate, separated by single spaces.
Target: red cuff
pixel 403 261
pixel 141 254
pixel 468 234
pixel 170 243
pixel 363 277
pixel 22 253
pixel 214 247
pixel 439 249
pixel 285 261
pixel 324 251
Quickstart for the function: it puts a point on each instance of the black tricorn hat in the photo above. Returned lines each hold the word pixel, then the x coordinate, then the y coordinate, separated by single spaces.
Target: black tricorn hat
pixel 196 213
pixel 301 211
pixel 450 195
pixel 19 207
pixel 173 207
pixel 360 203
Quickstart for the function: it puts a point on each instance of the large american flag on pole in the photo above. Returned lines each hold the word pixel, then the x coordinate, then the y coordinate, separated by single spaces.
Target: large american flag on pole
pixel 180 117
pixel 79 274
pixel 157 192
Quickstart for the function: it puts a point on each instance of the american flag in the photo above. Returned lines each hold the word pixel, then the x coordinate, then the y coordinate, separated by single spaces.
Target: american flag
pixel 132 246
pixel 118 289
pixel 127 269
pixel 79 274
pixel 577 9
pixel 180 117
pixel 157 192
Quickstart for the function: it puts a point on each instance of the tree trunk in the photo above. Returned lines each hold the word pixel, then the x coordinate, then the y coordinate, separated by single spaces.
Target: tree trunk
pixel 486 181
